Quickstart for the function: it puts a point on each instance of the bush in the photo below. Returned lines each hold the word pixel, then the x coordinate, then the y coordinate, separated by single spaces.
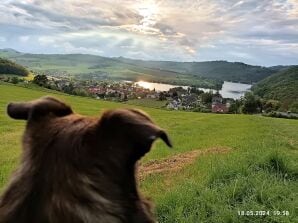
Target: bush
pixel 281 115
pixel 294 107
pixel 14 80
pixel 40 80
pixel 251 104
pixel 271 105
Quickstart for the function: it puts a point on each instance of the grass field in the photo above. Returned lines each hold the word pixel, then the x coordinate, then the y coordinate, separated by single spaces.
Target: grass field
pixel 147 102
pixel 259 171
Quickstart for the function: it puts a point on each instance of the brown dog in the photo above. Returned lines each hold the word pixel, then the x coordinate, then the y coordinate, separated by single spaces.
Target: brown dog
pixel 78 169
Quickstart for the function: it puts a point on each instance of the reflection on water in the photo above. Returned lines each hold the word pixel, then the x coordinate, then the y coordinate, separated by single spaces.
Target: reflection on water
pixel 229 89
pixel 157 86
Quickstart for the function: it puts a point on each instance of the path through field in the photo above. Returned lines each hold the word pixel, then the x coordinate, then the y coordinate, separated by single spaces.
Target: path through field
pixel 176 162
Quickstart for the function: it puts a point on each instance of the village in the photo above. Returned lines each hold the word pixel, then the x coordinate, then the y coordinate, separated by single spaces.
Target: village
pixel 186 98
pixel 177 98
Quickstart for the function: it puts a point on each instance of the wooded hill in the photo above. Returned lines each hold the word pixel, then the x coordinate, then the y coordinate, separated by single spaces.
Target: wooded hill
pixel 282 86
pixel 219 70
pixel 10 67
pixel 204 74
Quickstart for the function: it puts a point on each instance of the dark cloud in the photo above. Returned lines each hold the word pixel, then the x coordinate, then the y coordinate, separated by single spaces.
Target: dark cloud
pixel 165 29
pixel 61 20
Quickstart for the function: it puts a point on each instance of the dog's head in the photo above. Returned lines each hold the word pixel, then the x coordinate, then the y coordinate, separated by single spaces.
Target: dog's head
pixel 121 136
pixel 70 159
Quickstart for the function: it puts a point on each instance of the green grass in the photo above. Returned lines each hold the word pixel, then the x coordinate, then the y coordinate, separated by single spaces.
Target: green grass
pixel 147 102
pixel 260 172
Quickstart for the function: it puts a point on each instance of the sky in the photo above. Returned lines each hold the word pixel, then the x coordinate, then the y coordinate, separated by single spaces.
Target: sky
pixel 259 32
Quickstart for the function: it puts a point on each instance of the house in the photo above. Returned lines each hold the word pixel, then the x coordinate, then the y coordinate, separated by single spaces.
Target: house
pixel 217 104
pixel 217 99
pixel 190 101
pixel 174 104
pixel 219 108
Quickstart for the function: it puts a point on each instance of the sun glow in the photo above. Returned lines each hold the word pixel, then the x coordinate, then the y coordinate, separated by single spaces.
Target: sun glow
pixel 149 11
pixel 144 84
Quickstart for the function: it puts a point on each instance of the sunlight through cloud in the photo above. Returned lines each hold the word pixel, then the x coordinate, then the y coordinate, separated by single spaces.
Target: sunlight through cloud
pixel 154 29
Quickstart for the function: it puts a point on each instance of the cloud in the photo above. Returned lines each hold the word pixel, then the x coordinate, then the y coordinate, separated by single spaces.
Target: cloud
pixel 251 31
pixel 24 39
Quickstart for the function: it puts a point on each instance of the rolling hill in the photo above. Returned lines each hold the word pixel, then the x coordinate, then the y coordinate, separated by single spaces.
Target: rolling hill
pixel 10 67
pixel 220 164
pixel 282 86
pixel 203 74
pixel 83 66
pixel 218 70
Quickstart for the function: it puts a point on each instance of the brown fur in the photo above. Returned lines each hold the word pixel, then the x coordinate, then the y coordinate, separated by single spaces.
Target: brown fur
pixel 78 169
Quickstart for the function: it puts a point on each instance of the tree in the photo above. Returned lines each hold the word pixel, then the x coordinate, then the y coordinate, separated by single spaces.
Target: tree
pixel 194 90
pixel 175 94
pixel 271 105
pixel 14 80
pixel 235 107
pixel 125 98
pixel 294 107
pixel 161 96
pixel 68 88
pixel 251 103
pixel 80 92
pixel 10 67
pixel 40 80
pixel 207 97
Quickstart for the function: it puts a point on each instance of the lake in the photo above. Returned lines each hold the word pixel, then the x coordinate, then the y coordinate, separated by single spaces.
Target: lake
pixel 229 89
pixel 234 90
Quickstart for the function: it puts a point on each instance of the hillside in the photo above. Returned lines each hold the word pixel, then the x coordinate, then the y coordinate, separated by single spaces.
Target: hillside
pixel 220 164
pixel 282 86
pixel 9 67
pixel 82 66
pixel 219 70
pixel 203 74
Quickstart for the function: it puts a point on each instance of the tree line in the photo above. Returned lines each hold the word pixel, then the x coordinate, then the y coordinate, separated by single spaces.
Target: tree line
pixel 10 67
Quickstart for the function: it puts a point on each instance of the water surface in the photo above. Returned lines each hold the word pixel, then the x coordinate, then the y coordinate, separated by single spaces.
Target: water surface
pixel 228 90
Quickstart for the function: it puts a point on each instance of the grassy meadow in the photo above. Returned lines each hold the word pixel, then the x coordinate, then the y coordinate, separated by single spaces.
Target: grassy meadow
pixel 258 173
pixel 147 102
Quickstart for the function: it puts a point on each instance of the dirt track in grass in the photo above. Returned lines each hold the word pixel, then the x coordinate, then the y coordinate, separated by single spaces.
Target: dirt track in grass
pixel 176 162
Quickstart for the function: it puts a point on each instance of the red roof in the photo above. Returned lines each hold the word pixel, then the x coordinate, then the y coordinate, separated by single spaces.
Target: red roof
pixel 219 108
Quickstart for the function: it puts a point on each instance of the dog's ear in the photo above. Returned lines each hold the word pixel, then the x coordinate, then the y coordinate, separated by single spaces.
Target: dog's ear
pixel 142 131
pixel 137 128
pixel 148 129
pixel 144 134
pixel 148 132
pixel 38 108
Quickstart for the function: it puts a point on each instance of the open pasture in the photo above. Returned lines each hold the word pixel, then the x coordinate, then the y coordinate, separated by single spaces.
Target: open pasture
pixel 237 163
